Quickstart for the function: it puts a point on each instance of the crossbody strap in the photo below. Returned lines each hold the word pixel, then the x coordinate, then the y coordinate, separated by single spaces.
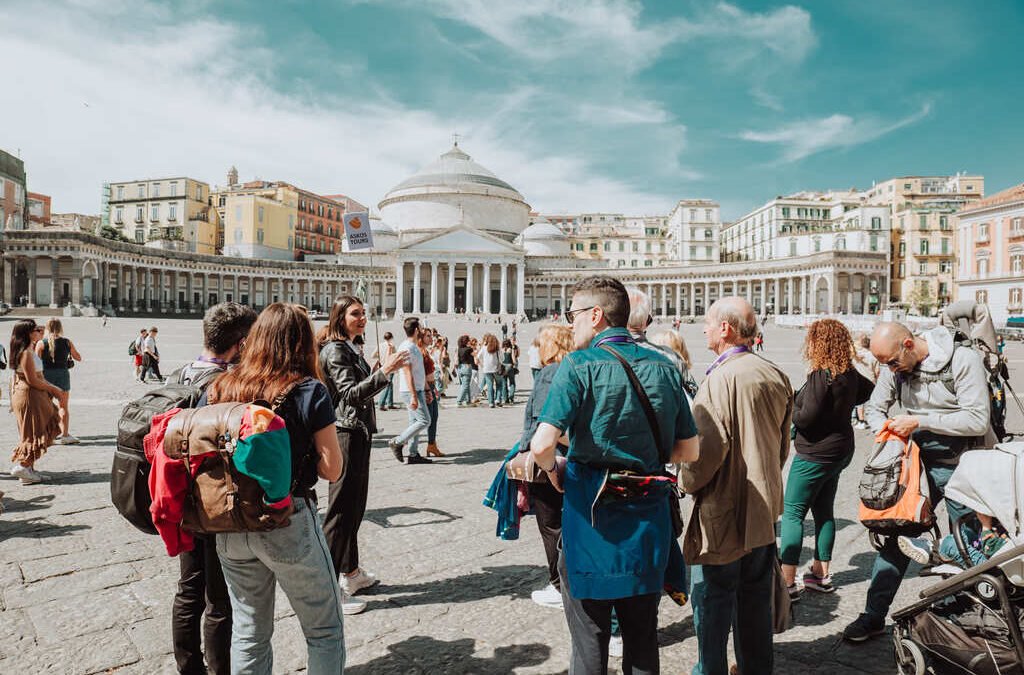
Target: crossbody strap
pixel 645 403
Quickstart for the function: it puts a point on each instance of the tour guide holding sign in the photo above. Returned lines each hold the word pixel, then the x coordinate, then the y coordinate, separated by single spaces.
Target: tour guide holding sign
pixel 357 230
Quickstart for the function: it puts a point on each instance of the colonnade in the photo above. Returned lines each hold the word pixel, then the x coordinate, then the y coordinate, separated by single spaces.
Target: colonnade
pixel 453 286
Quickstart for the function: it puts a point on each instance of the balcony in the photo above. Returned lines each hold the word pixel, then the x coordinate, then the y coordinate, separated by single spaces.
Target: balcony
pixel 1017 233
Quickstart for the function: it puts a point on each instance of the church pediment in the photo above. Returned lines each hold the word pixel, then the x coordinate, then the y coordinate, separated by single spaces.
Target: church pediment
pixel 461 239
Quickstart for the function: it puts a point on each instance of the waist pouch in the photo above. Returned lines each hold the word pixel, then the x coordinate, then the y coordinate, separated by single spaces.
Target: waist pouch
pixel 625 486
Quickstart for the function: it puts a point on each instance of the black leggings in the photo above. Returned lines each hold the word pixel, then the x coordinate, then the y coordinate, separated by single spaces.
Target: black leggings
pixel 346 502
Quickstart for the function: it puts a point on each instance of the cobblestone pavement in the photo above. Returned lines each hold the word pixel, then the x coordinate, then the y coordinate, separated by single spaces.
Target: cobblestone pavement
pixel 81 591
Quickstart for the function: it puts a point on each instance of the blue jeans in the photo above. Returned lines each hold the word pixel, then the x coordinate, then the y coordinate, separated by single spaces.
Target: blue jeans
pixel 419 420
pixel 465 379
pixel 387 399
pixel 432 408
pixel 734 596
pixel 490 384
pixel 297 558
pixel 891 564
pixel 510 388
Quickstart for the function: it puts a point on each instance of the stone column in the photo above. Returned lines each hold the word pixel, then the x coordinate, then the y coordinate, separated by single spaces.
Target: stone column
pixel 486 296
pixel 520 288
pixel 76 289
pixel 563 306
pixel 679 299
pixel 664 300
pixel 469 288
pixel 54 282
pixel 433 287
pixel 503 293
pixel 416 286
pixel 849 294
pixel 30 268
pixel 451 287
pixel 399 282
pixel 792 282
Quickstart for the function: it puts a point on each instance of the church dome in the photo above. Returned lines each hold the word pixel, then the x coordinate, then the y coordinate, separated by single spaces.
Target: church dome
pixel 455 190
pixel 542 238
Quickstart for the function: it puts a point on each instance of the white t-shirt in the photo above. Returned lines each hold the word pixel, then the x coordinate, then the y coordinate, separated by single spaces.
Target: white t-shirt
pixel 419 375
pixel 150 345
pixel 534 356
pixel 488 361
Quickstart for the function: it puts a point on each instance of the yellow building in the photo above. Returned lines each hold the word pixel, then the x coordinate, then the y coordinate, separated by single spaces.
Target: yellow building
pixel 259 220
pixel 924 242
pixel 167 213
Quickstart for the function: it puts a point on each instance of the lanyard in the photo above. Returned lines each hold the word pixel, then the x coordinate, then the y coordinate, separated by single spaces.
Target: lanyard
pixel 738 349
pixel 213 359
pixel 614 338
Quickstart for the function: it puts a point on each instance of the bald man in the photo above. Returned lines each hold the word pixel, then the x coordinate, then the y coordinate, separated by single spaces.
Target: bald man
pixel 944 397
pixel 743 410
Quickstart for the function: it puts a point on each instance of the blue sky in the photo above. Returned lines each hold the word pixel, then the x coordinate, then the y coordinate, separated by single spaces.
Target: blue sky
pixel 581 104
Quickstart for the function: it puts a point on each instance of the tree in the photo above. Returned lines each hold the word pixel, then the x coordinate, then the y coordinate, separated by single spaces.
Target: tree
pixel 108 232
pixel 923 299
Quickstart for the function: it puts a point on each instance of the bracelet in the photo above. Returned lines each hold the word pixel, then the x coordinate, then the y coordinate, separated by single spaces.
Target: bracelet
pixel 553 467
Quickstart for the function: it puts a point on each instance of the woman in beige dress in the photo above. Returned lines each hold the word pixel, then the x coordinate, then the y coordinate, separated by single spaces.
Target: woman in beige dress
pixel 31 402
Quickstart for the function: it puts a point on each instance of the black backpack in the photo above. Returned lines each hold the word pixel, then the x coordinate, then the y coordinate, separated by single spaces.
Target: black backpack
pixel 129 474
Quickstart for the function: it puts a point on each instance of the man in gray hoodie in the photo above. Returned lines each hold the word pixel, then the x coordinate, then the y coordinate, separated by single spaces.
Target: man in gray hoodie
pixel 942 390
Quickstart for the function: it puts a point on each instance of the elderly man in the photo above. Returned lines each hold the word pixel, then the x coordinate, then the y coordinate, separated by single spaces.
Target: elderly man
pixel 743 411
pixel 614 549
pixel 944 396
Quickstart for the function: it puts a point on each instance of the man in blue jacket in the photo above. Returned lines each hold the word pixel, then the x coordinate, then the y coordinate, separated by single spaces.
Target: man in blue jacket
pixel 614 551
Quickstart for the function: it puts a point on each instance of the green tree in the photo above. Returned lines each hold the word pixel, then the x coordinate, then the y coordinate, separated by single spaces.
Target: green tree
pixel 108 232
pixel 923 299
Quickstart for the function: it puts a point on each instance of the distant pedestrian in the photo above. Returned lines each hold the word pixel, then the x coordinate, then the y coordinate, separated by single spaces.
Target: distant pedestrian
pixel 430 392
pixel 412 385
pixel 743 411
pixel 387 399
pixel 139 347
pixel 59 355
pixel 465 362
pixel 488 359
pixel 151 357
pixel 759 342
pixel 32 403
pixel 508 371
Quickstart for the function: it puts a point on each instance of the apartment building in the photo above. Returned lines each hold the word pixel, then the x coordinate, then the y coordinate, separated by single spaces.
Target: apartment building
pixel 167 213
pixel 12 192
pixel 991 253
pixel 621 241
pixel 923 212
pixel 694 227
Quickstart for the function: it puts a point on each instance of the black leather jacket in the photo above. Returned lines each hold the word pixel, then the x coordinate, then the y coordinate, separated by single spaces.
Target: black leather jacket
pixel 352 386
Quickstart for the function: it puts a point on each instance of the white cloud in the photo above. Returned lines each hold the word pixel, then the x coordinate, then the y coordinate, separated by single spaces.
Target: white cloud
pixel 170 96
pixel 807 137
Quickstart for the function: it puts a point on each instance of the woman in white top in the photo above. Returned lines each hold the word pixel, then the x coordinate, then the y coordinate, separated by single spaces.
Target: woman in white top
pixel 487 359
pixel 31 402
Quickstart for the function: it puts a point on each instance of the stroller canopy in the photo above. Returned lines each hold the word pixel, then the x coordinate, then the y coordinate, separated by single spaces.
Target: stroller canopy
pixel 991 481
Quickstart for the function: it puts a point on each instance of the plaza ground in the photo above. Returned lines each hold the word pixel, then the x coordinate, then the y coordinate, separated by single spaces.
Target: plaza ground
pixel 81 591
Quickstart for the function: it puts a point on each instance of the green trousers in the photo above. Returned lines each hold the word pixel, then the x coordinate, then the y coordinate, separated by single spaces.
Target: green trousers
pixel 810 487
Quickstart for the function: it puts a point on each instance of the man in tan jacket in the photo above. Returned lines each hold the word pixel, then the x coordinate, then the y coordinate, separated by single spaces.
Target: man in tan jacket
pixel 743 411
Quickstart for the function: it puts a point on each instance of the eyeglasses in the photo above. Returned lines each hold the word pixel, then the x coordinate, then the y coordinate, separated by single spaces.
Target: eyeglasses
pixel 571 314
pixel 894 362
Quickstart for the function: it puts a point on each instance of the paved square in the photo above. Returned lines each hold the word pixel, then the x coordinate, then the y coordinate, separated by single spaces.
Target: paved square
pixel 81 591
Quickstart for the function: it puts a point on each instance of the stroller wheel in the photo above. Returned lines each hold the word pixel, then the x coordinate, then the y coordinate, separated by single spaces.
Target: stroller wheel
pixel 909 658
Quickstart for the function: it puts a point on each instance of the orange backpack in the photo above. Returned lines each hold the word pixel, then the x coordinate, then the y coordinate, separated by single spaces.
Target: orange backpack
pixel 894 498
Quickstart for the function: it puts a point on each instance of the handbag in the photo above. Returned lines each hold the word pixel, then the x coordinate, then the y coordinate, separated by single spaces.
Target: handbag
pixel 675 511
pixel 782 604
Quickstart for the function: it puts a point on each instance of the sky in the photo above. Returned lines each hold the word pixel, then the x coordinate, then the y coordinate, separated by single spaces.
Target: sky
pixel 582 105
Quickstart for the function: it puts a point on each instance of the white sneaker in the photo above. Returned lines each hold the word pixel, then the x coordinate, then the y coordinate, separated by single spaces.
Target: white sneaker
pixel 357 582
pixel 350 605
pixel 917 549
pixel 19 471
pixel 615 646
pixel 549 596
pixel 66 440
pixel 30 477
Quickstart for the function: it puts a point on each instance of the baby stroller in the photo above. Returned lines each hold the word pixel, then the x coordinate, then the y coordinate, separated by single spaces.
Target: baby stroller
pixel 970 622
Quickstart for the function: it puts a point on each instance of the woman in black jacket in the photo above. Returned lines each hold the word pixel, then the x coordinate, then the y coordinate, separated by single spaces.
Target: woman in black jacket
pixel 824 447
pixel 352 386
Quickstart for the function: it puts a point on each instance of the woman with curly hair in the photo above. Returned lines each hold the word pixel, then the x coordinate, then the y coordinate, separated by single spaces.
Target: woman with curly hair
pixel 824 447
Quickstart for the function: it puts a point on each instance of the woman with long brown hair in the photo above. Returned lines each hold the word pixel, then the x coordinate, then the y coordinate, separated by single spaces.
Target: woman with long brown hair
pixel 59 355
pixel 280 360
pixel 824 447
pixel 31 402
pixel 487 359
pixel 352 386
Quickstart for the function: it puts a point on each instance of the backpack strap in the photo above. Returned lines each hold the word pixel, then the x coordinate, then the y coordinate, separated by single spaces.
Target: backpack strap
pixel 645 403
pixel 283 396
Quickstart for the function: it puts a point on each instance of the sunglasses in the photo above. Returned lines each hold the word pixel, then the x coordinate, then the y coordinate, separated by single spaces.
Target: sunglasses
pixel 571 314
pixel 894 362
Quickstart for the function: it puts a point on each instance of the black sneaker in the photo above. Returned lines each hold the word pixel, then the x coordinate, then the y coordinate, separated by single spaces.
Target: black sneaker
pixel 863 628
pixel 418 459
pixel 396 449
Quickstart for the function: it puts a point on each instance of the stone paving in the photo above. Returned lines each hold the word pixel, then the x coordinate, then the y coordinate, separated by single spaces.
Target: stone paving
pixel 81 591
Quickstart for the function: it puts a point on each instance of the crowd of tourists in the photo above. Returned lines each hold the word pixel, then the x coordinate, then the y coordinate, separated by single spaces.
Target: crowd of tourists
pixel 614 428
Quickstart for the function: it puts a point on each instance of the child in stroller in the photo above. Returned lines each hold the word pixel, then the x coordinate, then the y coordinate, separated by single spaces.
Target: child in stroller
pixel 969 623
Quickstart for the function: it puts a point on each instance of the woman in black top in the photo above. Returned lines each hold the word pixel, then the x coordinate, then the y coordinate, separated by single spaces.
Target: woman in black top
pixel 59 355
pixel 466 363
pixel 555 342
pixel 824 447
pixel 352 387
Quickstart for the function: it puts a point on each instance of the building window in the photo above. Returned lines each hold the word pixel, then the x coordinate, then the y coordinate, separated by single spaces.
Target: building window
pixel 1015 298
pixel 142 191
pixel 907 186
pixel 873 243
pixel 903 248
pixel 981 297
pixel 707 215
pixel 840 243
pixel 922 221
pixel 140 236
pixel 259 236
pixel 945 267
pixel 943 223
pixel 622 246
pixel 607 246
pixel 119 215
pixel 876 223
pixel 647 247
pixel 693 252
pixel 922 268
pixel 707 252
pixel 817 244
pixel 139 213
pixel 983 267
pixel 924 247
pixel 156 189
pixel 1017 263
pixel 120 192
pixel 785 212
pixel 174 189
pixel 291 221
pixel 593 247
pixel 259 214
pixel 1017 226
pixel 648 263
pixel 632 263
pixel 636 247
pixel 199 193
pixel 792 247
pixel 154 212
pixel 693 214
pixel 622 263
pixel 983 233
pixel 903 270
pixel 945 247
pixel 238 214
pixel 238 235
pixel 172 212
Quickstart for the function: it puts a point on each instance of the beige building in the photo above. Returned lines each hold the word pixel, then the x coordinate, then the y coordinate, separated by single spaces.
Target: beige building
pixel 259 219
pixel 924 244
pixel 167 213
pixel 620 241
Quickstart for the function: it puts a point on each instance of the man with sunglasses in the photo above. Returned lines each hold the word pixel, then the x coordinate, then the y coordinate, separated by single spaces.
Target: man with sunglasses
pixel 944 397
pixel 614 550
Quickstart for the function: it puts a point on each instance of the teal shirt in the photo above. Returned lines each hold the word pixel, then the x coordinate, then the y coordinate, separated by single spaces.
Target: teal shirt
pixel 615 550
pixel 592 399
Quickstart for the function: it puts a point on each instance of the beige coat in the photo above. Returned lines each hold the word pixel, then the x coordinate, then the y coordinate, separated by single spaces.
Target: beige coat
pixel 743 411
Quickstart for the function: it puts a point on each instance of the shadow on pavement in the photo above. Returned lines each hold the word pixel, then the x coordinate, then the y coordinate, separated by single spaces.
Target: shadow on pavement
pixel 478 456
pixel 516 581
pixel 35 528
pixel 862 563
pixel 77 477
pixel 873 656
pixel 383 517
pixel 422 654
pixel 36 503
